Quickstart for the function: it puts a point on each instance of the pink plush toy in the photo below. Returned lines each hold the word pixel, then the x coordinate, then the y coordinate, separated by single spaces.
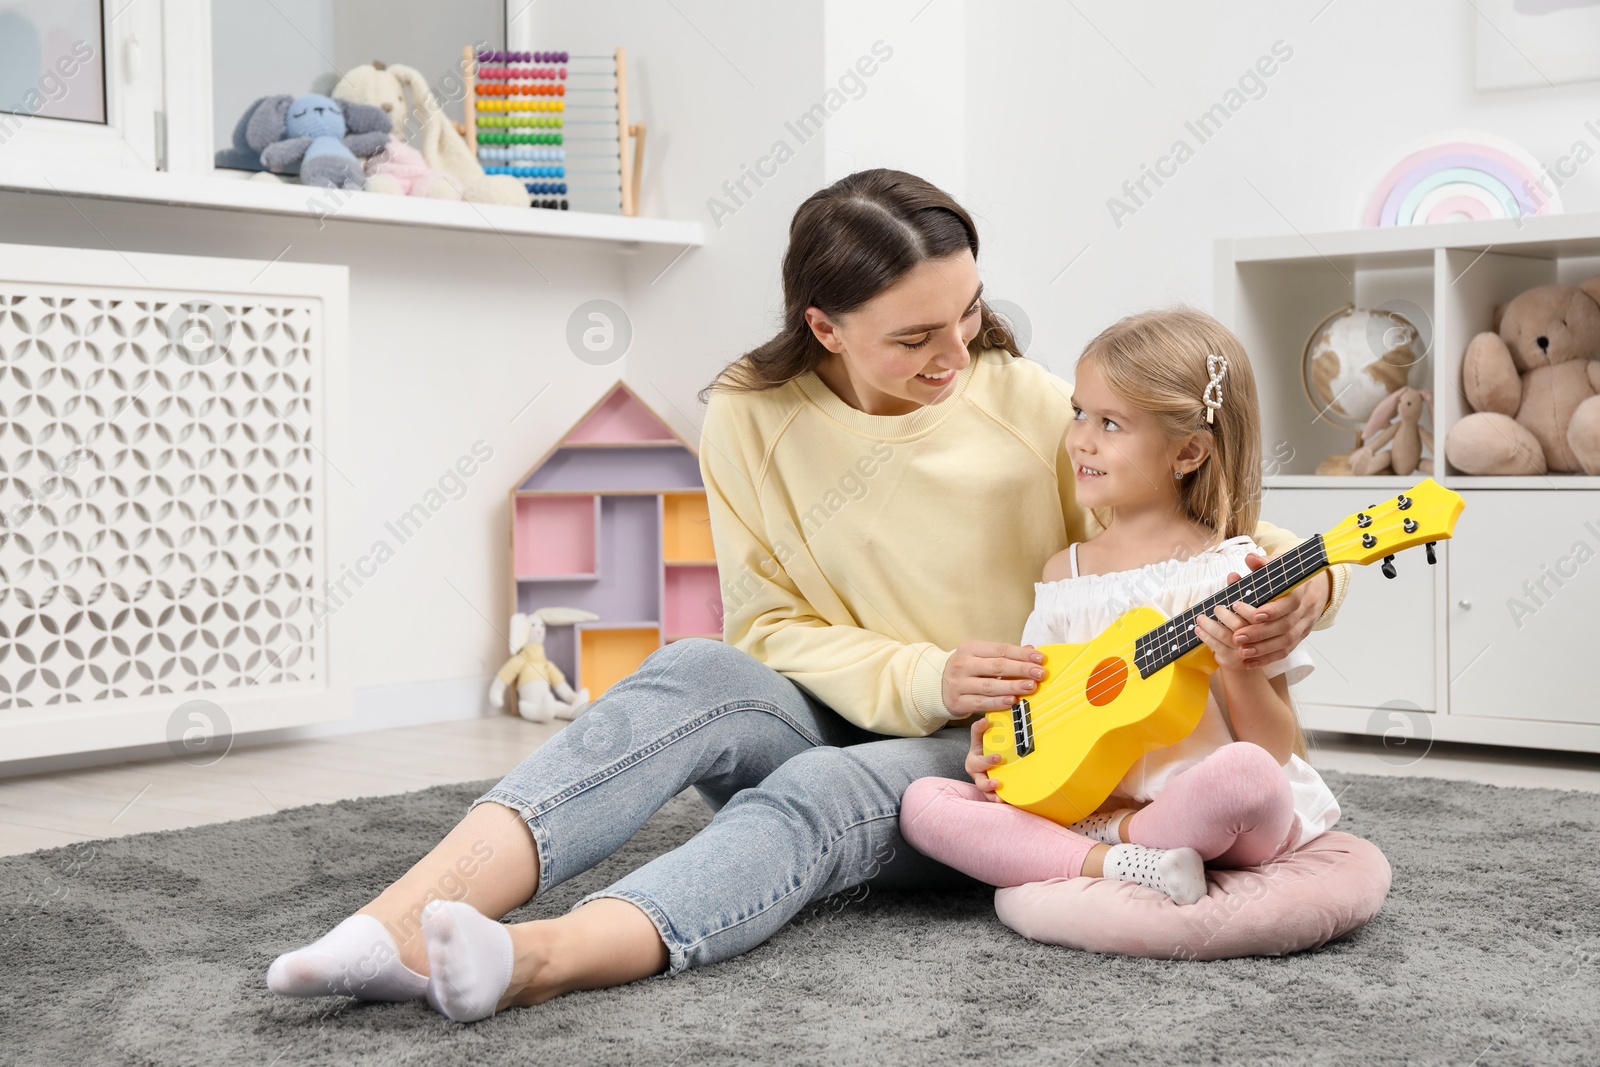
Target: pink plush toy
pixel 400 169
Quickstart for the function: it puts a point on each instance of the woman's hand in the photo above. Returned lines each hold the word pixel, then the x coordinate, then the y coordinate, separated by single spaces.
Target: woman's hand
pixel 986 676
pixel 1271 630
pixel 978 764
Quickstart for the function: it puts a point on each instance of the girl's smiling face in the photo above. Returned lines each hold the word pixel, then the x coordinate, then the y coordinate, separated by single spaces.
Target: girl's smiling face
pixel 1120 456
pixel 902 348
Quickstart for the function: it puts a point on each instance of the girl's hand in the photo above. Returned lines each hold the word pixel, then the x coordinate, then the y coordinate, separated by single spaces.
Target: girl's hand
pixel 978 764
pixel 1221 634
pixel 1271 630
pixel 986 676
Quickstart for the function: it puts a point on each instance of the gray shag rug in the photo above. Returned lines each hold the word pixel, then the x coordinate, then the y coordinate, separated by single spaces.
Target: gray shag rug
pixel 152 950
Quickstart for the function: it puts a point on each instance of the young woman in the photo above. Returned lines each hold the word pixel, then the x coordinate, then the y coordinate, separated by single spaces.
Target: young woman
pixel 886 477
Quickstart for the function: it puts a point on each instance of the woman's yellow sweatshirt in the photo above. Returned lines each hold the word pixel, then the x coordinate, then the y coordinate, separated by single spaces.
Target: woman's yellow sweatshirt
pixel 856 551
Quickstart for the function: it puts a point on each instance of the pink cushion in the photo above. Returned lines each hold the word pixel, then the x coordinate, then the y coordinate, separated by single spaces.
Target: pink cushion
pixel 1331 886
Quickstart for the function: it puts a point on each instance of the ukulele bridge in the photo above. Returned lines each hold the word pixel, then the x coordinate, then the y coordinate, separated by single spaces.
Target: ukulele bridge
pixel 1022 727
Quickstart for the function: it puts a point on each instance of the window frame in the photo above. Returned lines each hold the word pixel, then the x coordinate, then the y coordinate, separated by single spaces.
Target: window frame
pixel 133 54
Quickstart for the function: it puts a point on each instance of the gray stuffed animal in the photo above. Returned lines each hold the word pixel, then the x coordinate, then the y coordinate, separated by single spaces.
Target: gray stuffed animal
pixel 320 139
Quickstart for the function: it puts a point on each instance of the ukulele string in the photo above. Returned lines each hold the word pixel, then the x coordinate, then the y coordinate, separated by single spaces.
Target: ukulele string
pixel 1068 686
pixel 1061 706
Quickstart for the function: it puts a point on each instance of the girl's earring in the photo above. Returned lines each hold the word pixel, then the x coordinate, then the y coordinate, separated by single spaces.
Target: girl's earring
pixel 1177 474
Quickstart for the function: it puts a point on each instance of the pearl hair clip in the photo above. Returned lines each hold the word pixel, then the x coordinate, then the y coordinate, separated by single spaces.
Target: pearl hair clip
pixel 1216 367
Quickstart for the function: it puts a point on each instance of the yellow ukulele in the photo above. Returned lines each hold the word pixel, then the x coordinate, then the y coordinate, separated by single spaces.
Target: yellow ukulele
pixel 1142 684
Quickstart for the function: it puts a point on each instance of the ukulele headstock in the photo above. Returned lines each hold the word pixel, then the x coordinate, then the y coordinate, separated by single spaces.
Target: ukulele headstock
pixel 1426 512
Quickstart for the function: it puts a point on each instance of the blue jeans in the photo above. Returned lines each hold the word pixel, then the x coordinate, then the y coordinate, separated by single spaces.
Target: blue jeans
pixel 807 804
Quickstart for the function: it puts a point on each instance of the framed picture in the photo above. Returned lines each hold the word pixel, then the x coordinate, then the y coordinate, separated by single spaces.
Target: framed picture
pixel 1523 44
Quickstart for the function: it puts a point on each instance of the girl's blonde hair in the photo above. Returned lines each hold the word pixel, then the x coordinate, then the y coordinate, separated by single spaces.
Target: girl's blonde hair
pixel 1156 362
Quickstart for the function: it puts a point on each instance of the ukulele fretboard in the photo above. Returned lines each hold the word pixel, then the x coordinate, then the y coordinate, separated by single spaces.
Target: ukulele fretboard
pixel 1176 637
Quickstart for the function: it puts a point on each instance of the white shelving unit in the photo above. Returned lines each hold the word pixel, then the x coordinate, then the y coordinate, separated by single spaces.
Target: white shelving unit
pixel 1492 644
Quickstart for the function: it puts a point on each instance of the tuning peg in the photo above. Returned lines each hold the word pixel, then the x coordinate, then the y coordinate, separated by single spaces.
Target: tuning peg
pixel 1388 567
pixel 1429 547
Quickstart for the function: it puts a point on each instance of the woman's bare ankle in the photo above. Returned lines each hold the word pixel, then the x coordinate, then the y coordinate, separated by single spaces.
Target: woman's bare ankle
pixel 534 978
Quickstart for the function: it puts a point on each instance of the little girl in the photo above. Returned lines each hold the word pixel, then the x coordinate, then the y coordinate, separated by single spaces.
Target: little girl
pixel 1165 442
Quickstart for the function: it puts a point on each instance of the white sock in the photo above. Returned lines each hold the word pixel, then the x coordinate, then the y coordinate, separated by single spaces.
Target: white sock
pixel 469 960
pixel 1102 826
pixel 357 959
pixel 1180 873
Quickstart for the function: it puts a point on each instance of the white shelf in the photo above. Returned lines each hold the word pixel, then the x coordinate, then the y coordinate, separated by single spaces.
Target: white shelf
pixel 1349 481
pixel 1537 235
pixel 227 192
pixel 1449 481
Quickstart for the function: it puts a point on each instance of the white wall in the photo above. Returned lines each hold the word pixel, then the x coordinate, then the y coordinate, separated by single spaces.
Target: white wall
pixel 715 81
pixel 911 113
pixel 1063 108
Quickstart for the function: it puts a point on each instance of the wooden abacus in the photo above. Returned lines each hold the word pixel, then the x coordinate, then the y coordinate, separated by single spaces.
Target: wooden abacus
pixel 561 122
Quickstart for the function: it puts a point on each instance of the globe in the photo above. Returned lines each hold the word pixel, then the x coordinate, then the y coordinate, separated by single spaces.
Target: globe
pixel 1354 358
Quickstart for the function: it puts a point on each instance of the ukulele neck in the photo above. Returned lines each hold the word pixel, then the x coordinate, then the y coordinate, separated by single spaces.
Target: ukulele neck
pixel 1175 638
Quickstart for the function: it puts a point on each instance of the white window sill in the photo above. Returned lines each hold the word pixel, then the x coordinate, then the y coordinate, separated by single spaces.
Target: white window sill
pixel 231 191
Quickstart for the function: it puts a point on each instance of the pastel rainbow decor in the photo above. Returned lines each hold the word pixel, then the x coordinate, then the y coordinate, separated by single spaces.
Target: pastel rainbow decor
pixel 1461 177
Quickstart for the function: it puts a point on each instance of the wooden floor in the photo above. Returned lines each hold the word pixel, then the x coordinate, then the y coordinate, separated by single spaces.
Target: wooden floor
pixel 128 798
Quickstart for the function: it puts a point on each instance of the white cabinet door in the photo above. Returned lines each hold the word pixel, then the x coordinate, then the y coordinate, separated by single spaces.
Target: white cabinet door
pixel 1381 647
pixel 1524 585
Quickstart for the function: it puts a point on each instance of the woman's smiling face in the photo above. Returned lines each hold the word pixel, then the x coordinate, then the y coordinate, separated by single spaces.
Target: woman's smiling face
pixel 902 348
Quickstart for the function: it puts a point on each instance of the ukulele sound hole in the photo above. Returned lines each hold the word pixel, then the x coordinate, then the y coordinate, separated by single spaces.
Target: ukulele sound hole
pixel 1106 681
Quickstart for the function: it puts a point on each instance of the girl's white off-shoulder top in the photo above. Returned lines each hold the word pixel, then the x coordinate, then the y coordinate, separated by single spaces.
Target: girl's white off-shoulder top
pixel 1077 609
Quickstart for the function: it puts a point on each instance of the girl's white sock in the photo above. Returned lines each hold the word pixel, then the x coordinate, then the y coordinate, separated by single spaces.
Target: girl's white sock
pixel 1180 873
pixel 357 959
pixel 469 960
pixel 1102 826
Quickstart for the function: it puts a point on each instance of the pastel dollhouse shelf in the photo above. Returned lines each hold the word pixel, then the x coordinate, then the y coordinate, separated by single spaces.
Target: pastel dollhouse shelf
pixel 613 520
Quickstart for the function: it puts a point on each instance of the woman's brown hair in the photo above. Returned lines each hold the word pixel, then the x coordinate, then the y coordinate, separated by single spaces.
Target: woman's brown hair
pixel 848 243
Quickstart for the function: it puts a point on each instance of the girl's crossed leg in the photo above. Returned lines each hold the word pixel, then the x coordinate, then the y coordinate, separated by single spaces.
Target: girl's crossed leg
pixel 1235 808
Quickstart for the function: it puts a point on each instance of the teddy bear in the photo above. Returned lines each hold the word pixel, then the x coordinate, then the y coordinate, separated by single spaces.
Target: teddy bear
pixel 423 124
pixel 321 140
pixel 1405 438
pixel 1535 385
pixel 542 689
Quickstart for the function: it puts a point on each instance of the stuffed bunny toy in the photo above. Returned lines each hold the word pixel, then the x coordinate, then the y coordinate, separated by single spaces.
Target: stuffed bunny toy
pixel 1405 438
pixel 316 137
pixel 423 125
pixel 542 690
pixel 400 168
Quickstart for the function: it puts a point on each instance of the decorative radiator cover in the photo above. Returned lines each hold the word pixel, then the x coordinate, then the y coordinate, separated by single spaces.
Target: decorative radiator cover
pixel 165 507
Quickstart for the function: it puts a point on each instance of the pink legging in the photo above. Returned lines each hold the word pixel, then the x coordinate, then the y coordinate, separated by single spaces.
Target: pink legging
pixel 1234 808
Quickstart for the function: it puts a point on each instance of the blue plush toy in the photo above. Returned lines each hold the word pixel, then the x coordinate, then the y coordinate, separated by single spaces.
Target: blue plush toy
pixel 321 139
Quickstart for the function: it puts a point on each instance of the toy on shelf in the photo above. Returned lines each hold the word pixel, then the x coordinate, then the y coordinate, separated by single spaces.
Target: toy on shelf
pixel 1535 386
pixel 1393 439
pixel 542 689
pixel 399 169
pixel 613 520
pixel 321 139
pixel 559 123
pixel 423 126
pixel 1353 361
